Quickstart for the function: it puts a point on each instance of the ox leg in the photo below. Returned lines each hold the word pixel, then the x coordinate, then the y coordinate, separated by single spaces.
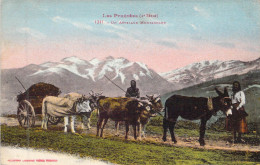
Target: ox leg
pixel 134 128
pixel 143 128
pixel 139 127
pixel 171 128
pixel 126 129
pixel 165 129
pixel 82 118
pixel 88 123
pixel 117 127
pixel 202 131
pixel 66 123
pixel 43 121
pixel 46 121
pixel 99 123
pixel 103 126
pixel 72 121
pixel 85 121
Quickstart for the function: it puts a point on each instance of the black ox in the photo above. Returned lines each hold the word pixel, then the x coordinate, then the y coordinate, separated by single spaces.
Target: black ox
pixel 193 108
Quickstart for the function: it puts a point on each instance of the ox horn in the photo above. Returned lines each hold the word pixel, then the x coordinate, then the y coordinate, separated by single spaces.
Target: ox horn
pixel 149 96
pixel 140 104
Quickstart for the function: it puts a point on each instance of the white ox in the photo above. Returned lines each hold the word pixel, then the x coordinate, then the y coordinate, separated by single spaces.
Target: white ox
pixel 71 104
pixel 85 117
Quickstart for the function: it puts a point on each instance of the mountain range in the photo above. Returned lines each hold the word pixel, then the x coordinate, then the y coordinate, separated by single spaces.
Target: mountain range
pixel 73 74
pixel 204 71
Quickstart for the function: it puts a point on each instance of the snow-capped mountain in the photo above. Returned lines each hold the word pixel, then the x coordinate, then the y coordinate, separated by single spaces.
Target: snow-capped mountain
pixel 73 74
pixel 207 70
pixel 95 69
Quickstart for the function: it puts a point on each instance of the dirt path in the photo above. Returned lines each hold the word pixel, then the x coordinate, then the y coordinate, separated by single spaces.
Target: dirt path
pixel 182 141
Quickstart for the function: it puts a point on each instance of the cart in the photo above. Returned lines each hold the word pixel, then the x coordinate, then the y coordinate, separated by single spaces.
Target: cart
pixel 30 103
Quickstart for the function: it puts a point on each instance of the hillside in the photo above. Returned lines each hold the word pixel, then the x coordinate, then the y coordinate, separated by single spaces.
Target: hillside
pixel 250 83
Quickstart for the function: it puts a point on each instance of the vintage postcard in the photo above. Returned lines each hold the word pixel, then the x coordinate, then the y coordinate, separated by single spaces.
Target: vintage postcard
pixel 130 82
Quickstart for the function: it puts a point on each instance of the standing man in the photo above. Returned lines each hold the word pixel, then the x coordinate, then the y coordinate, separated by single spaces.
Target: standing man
pixel 132 91
pixel 238 111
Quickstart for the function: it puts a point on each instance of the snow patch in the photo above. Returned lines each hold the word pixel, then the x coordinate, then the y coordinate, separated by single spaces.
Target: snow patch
pixel 252 86
pixel 49 70
pixel 141 74
pixel 116 64
pixel 75 60
pixel 145 68
pixel 136 77
pixel 122 76
pixel 94 61
pixel 72 68
pixel 47 64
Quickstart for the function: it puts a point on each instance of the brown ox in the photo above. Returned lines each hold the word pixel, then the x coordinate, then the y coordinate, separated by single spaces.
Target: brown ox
pixel 155 107
pixel 130 110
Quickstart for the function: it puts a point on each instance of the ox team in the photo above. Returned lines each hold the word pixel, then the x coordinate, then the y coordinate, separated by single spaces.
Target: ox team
pixel 137 111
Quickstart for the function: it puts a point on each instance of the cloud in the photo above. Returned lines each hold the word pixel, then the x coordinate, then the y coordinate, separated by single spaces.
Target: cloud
pixel 32 32
pixel 194 27
pixel 201 11
pixel 76 24
pixel 225 44
pixel 168 43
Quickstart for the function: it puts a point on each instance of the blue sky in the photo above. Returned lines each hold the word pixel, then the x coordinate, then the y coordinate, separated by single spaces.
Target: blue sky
pixel 202 26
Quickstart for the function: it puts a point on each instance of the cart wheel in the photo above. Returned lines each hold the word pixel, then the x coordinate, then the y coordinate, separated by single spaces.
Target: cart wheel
pixel 26 114
pixel 54 120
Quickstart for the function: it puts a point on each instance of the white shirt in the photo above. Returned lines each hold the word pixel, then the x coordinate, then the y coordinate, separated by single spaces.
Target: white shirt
pixel 239 97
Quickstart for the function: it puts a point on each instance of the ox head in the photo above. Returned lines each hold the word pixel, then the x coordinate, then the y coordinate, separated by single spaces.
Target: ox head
pixel 94 97
pixel 224 101
pixel 155 104
pixel 144 106
pixel 84 105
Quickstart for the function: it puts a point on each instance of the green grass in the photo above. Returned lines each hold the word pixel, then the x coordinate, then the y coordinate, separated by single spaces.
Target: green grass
pixel 119 151
pixel 251 139
pixel 185 128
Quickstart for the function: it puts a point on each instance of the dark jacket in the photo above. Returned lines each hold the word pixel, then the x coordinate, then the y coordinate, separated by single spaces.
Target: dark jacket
pixel 132 92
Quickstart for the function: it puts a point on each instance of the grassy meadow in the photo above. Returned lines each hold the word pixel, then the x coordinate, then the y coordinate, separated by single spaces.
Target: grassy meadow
pixel 116 150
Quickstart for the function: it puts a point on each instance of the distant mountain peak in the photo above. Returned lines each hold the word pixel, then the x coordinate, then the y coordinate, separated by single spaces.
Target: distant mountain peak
pixel 74 59
pixel 203 71
pixel 94 61
pixel 48 64
pixel 110 58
